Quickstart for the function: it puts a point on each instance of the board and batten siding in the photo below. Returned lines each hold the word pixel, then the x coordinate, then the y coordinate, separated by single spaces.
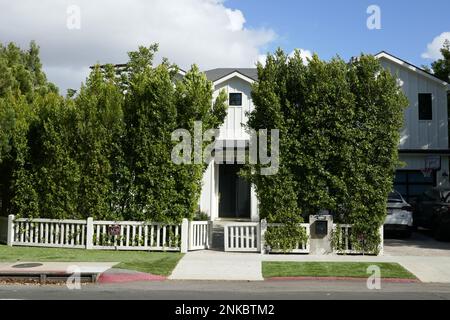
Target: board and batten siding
pixel 233 128
pixel 421 134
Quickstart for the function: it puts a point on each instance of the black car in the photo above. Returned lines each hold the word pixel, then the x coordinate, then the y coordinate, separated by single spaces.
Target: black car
pixel 432 211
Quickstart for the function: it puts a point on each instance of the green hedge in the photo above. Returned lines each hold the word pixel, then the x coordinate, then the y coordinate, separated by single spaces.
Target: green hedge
pixel 104 151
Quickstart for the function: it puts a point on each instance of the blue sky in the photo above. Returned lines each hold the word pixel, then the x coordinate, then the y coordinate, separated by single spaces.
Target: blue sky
pixel 75 34
pixel 330 27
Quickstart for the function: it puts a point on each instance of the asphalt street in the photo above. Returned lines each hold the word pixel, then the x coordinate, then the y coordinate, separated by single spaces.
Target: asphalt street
pixel 228 290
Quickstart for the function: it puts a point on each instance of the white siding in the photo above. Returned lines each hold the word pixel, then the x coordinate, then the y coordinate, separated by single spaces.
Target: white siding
pixel 233 128
pixel 421 134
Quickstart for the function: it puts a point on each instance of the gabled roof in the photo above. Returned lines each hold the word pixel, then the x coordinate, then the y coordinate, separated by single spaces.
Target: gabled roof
pixel 216 75
pixel 410 66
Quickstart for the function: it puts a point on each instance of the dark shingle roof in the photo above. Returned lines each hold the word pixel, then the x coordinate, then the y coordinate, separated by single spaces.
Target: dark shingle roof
pixel 219 73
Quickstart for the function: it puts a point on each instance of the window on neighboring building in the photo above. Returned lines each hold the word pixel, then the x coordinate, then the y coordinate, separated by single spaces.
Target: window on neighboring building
pixel 412 183
pixel 235 99
pixel 425 106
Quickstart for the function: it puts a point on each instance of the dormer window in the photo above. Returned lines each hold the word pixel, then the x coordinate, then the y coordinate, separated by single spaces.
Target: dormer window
pixel 235 99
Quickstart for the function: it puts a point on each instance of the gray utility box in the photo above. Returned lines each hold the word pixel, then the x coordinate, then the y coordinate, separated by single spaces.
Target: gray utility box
pixel 321 234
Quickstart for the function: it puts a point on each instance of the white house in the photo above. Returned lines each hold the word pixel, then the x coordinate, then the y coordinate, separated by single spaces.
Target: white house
pixel 424 139
pixel 225 195
pixel 424 144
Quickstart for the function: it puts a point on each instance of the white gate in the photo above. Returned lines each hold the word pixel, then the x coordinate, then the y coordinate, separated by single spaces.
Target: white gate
pixel 243 237
pixel 200 235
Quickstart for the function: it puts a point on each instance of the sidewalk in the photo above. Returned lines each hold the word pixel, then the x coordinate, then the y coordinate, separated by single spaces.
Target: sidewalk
pixel 214 265
pixel 54 267
pixel 426 269
pixel 217 265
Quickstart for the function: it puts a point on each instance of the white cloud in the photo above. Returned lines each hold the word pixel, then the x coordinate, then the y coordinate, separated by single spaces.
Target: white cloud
pixel 205 32
pixel 433 49
pixel 262 59
pixel 305 54
pixel 237 19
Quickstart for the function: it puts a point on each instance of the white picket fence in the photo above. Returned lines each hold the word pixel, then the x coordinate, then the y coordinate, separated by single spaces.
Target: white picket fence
pixel 106 235
pixel 49 233
pixel 344 243
pixel 242 237
pixel 200 235
pixel 301 246
pixel 153 236
pixel 130 235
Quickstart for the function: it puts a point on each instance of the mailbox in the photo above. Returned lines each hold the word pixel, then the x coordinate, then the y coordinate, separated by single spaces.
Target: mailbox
pixel 321 228
pixel 114 230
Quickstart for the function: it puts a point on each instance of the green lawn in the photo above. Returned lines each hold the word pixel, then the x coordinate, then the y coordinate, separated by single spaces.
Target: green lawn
pixel 332 269
pixel 158 263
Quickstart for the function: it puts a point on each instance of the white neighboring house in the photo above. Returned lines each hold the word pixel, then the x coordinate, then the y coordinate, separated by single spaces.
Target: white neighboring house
pixel 424 139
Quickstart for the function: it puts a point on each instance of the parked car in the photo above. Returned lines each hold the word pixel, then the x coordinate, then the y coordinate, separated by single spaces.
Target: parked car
pixel 399 215
pixel 432 211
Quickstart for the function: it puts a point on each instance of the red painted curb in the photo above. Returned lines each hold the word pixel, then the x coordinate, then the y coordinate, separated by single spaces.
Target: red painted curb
pixel 392 280
pixel 128 277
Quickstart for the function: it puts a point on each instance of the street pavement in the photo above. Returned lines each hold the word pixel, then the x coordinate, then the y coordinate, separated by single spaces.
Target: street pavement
pixel 231 290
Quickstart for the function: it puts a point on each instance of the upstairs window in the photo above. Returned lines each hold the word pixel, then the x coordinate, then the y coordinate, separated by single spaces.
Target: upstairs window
pixel 235 99
pixel 425 106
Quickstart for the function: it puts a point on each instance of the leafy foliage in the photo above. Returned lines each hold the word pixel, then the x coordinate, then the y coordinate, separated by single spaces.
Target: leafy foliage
pixel 441 67
pixel 339 133
pixel 285 237
pixel 106 151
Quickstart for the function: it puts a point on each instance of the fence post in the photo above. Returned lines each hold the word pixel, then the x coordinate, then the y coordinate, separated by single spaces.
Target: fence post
pixel 262 240
pixel 89 233
pixel 381 252
pixel 184 236
pixel 10 232
pixel 210 234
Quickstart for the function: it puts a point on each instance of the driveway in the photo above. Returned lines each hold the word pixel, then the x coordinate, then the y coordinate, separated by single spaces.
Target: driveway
pixel 427 258
pixel 421 244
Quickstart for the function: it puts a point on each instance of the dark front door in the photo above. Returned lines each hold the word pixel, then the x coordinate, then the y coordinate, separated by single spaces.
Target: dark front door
pixel 234 200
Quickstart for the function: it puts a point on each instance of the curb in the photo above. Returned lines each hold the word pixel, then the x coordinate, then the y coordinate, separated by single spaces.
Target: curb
pixel 128 277
pixel 389 280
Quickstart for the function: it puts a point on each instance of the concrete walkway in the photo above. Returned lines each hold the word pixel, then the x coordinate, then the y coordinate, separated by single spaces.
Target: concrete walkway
pixel 426 269
pixel 217 265
pixel 55 267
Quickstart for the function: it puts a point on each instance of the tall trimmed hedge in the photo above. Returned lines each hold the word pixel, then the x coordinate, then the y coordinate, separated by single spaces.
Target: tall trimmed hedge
pixel 104 152
pixel 339 134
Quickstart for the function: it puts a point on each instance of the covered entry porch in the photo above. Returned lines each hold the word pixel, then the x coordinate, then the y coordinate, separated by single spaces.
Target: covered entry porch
pixel 226 196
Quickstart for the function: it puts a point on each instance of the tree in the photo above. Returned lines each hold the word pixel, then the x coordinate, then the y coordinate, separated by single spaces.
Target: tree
pixel 22 82
pixel 106 151
pixel 155 106
pixel 97 149
pixel 441 67
pixel 339 132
